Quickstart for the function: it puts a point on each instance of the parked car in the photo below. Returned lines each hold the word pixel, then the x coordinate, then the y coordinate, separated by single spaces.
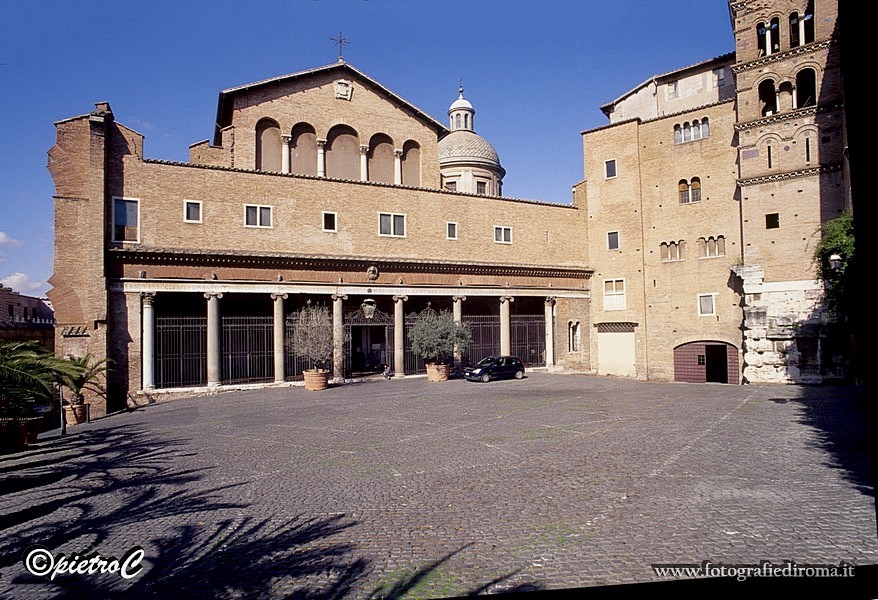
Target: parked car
pixel 495 367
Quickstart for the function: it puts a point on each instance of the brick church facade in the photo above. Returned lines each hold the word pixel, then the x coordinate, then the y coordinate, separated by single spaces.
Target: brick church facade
pixel 325 186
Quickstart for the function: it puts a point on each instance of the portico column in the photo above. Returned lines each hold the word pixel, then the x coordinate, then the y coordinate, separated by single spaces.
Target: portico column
pixel 338 335
pixel 364 163
pixel 214 339
pixel 550 331
pixel 397 167
pixel 285 153
pixel 148 337
pixel 399 336
pixel 321 158
pixel 505 338
pixel 279 348
pixel 457 312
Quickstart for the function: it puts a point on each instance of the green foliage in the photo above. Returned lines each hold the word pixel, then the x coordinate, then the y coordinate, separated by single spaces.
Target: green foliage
pixel 435 335
pixel 28 375
pixel 86 377
pixel 837 238
pixel 312 334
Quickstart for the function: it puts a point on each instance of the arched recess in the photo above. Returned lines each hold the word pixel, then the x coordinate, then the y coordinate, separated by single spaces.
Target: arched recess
pixel 303 151
pixel 411 163
pixel 342 153
pixel 268 155
pixel 768 98
pixel 706 361
pixel 806 88
pixel 774 29
pixel 381 158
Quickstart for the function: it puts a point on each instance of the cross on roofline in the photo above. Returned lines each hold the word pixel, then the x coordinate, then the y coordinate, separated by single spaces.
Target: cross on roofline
pixel 341 44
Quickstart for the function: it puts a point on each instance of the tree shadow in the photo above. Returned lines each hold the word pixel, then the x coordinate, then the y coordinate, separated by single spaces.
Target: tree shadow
pixel 121 485
pixel 843 420
pixel 409 583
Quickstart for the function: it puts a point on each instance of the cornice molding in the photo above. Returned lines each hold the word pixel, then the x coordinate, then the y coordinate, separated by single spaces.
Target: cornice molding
pixel 809 111
pixel 781 56
pixel 327 263
pixel 775 177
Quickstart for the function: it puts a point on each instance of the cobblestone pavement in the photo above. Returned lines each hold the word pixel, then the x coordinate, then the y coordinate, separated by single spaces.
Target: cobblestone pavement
pixel 427 490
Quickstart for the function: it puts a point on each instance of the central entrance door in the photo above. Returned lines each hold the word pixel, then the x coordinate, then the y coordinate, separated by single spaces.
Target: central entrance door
pixel 368 342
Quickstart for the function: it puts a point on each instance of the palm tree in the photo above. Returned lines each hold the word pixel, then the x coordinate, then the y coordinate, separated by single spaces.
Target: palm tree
pixel 86 376
pixel 28 374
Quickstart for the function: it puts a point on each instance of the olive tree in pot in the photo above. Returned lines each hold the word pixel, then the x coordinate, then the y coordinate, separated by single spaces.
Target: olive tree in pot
pixel 312 339
pixel 86 377
pixel 435 337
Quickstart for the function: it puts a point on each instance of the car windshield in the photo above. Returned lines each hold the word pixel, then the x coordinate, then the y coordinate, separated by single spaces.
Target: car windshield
pixel 487 361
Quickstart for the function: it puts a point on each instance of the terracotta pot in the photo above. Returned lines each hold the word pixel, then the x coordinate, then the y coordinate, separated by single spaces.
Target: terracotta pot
pixel 316 379
pixel 16 433
pixel 438 372
pixel 76 414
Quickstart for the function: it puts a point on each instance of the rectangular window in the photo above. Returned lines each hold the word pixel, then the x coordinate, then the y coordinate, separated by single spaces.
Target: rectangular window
pixel 808 149
pixel 192 211
pixel 610 168
pixel 391 224
pixel 481 188
pixel 451 231
pixel 257 216
pixel 330 221
pixel 702 360
pixel 673 90
pixel 706 306
pixel 126 220
pixel 613 240
pixel 719 77
pixel 772 221
pixel 502 235
pixel 614 294
pixel 451 186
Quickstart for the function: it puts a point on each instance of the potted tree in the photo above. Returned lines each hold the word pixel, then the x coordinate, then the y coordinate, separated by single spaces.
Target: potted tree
pixel 86 377
pixel 28 375
pixel 312 339
pixel 435 337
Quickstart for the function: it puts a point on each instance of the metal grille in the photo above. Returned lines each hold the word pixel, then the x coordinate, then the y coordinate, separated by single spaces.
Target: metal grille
pixel 620 327
pixel 414 364
pixel 181 351
pixel 248 349
pixel 378 319
pixel 527 339
pixel 485 338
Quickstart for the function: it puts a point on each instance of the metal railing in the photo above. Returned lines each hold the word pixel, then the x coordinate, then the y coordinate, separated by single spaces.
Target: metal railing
pixel 248 349
pixel 181 351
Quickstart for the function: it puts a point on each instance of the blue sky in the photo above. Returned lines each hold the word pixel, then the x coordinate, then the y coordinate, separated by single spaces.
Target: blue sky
pixel 536 72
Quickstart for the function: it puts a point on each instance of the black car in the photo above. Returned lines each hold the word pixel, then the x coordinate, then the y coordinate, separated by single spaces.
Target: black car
pixel 495 367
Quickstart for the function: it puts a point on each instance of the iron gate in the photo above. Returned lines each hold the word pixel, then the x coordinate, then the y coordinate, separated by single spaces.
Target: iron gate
pixel 527 339
pixel 485 338
pixel 181 351
pixel 378 319
pixel 248 349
